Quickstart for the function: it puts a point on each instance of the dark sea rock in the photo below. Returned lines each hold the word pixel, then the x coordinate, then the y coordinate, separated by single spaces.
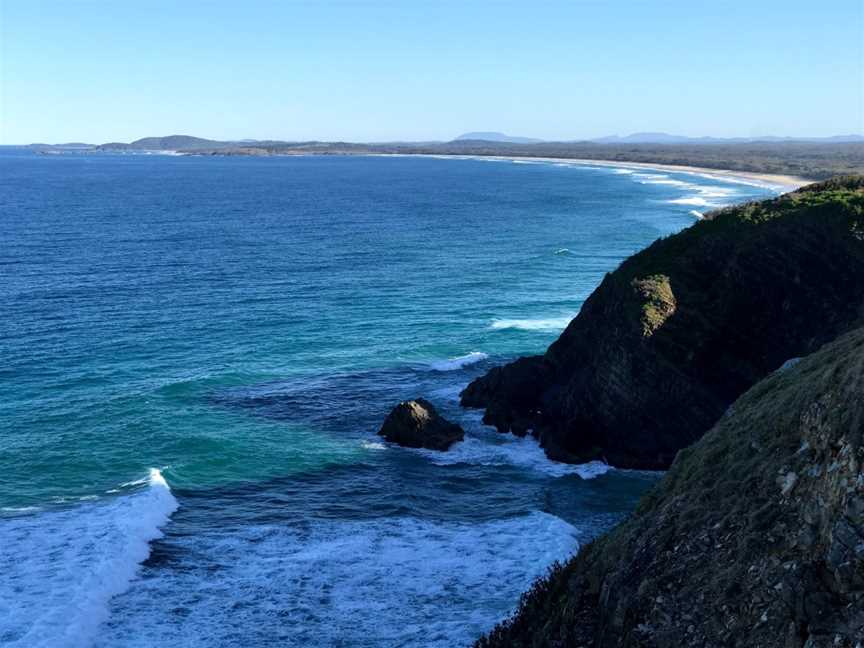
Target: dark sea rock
pixel 416 424
pixel 755 537
pixel 673 336
pixel 507 390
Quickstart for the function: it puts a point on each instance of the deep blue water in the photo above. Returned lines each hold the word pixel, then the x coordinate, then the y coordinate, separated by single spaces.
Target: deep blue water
pixel 243 326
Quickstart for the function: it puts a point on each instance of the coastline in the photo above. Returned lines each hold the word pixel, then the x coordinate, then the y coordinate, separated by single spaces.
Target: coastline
pixel 777 182
pixel 781 183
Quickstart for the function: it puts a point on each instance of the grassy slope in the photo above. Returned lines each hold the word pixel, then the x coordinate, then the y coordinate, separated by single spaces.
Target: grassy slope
pixel 756 535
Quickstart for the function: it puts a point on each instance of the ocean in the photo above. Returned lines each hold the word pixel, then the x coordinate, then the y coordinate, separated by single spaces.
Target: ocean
pixel 197 353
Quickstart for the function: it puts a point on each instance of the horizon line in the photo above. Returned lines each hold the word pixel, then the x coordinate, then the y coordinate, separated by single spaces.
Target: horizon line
pixel 535 140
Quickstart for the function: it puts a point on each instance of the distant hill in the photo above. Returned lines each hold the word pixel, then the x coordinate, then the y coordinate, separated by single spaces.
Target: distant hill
pixel 647 138
pixel 168 143
pixel 666 138
pixel 490 136
pixel 188 143
pixel 813 158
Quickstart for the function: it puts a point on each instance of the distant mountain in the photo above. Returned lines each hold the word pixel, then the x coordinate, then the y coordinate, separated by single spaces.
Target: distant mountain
pixel 646 138
pixel 188 143
pixel 666 138
pixel 169 143
pixel 833 139
pixel 496 137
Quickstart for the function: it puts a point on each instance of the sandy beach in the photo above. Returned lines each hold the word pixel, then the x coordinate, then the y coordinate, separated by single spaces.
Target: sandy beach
pixel 779 183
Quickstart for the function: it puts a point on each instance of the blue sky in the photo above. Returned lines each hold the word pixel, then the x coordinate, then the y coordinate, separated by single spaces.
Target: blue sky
pixel 374 71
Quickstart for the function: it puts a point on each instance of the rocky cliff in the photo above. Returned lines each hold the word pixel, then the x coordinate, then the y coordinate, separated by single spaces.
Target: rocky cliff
pixel 673 336
pixel 755 537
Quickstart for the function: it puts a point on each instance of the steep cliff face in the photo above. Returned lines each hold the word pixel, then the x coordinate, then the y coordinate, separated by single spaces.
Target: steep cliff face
pixel 674 335
pixel 755 537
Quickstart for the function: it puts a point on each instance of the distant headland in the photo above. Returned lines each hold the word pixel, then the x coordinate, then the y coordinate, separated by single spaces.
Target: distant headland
pixel 807 158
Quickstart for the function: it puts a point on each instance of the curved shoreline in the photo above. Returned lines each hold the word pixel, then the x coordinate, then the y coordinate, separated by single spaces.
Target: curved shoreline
pixel 776 182
pixel 781 183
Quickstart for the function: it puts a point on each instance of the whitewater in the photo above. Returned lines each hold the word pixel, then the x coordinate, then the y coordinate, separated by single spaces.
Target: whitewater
pixel 198 353
pixel 61 569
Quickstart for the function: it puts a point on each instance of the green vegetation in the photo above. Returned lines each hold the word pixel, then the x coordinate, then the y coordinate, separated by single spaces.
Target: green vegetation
pixel 752 538
pixel 658 304
pixel 844 191
pixel 812 160
pixel 681 329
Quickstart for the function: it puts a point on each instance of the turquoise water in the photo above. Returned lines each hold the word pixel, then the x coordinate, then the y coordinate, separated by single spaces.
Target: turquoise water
pixel 242 326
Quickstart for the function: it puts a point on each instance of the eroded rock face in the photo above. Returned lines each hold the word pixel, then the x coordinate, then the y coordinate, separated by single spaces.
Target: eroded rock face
pixel 671 338
pixel 755 537
pixel 507 390
pixel 416 424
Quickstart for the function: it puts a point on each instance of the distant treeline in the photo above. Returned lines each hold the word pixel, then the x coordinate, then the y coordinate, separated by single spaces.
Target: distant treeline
pixel 809 160
pixel 814 160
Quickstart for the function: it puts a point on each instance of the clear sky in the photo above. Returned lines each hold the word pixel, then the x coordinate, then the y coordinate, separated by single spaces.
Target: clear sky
pixel 374 71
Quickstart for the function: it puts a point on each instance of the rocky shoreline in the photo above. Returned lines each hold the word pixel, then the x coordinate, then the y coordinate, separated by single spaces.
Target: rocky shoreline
pixel 680 330
pixel 687 355
pixel 755 537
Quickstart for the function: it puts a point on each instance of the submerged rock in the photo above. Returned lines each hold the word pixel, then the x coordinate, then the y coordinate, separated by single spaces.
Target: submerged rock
pixel 673 336
pixel 416 424
pixel 755 537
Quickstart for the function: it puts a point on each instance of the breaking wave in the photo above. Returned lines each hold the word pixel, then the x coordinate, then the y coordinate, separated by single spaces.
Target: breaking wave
pixel 507 449
pixel 544 325
pixel 453 364
pixel 61 568
pixel 392 581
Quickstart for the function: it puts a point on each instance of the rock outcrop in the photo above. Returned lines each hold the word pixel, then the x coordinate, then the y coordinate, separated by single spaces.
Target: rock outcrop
pixel 755 537
pixel 673 336
pixel 416 424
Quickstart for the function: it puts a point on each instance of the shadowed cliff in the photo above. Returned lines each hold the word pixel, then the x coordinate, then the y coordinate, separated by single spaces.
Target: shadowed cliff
pixel 673 336
pixel 755 537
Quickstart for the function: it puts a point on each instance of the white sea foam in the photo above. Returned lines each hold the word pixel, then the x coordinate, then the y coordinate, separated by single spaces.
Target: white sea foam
pixel 697 214
pixel 750 182
pixel 544 325
pixel 715 192
pixel 701 195
pixel 494 449
pixel 373 445
pixel 19 509
pixel 374 582
pixel 452 364
pixel 691 200
pixel 667 181
pixel 61 568
pixel 560 251
pixel 137 482
pixel 623 171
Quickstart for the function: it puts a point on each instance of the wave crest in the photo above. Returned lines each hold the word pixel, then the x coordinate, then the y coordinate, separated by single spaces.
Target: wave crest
pixel 544 325
pixel 61 568
pixel 452 364
pixel 379 582
pixel 524 452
